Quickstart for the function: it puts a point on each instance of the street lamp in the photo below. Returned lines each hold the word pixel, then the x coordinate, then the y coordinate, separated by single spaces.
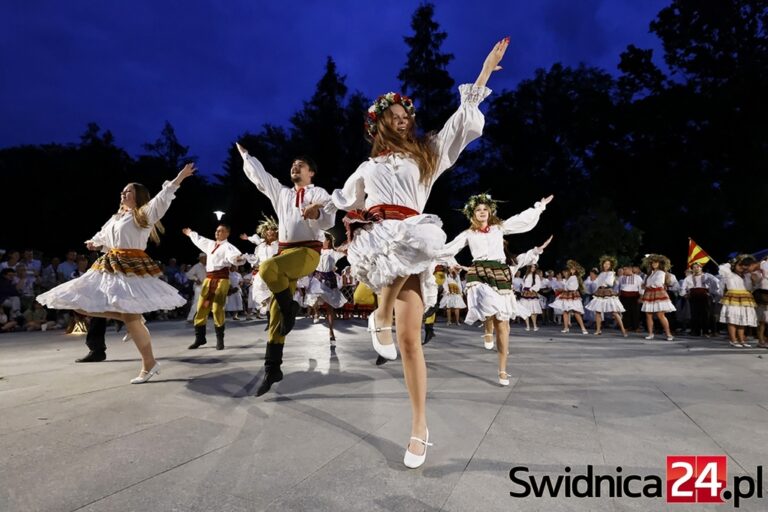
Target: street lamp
pixel 219 214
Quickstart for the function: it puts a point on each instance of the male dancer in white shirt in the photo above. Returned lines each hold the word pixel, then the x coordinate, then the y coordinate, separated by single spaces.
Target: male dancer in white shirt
pixel 220 255
pixel 302 220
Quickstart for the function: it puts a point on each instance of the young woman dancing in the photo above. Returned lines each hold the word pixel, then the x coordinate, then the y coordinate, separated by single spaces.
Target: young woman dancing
pixel 605 299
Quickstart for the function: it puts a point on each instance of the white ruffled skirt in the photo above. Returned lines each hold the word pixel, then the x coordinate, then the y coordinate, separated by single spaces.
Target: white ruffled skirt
pixel 568 305
pixel 98 292
pixel 259 291
pixel 605 305
pixel 317 291
pixel 483 302
pixel 738 315
pixel 453 301
pixel 533 306
pixel 386 250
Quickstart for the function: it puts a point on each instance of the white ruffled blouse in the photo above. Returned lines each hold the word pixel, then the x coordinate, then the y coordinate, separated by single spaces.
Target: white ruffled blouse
pixel 394 178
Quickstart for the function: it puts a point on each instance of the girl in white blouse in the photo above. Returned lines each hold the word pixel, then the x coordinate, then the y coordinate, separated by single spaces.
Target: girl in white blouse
pixel 569 300
pixel 394 244
pixel 124 282
pixel 452 300
pixel 605 299
pixel 529 296
pixel 655 298
pixel 738 305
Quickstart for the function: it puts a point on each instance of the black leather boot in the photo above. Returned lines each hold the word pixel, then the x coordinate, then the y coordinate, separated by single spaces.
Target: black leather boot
pixel 199 337
pixel 220 338
pixel 289 308
pixel 429 333
pixel 272 373
pixel 92 357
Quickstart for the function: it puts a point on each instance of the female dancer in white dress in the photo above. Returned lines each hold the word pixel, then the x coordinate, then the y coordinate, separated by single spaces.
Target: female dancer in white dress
pixel 265 239
pixel 605 299
pixel 124 282
pixel 323 289
pixel 452 300
pixel 489 279
pixel 393 252
pixel 569 300
pixel 738 305
pixel 529 296
pixel 655 298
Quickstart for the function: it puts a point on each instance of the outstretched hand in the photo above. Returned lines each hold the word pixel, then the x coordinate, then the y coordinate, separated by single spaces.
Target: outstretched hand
pixel 312 211
pixel 185 173
pixel 241 149
pixel 243 236
pixel 186 231
pixel 92 246
pixel 545 244
pixel 546 200
pixel 492 61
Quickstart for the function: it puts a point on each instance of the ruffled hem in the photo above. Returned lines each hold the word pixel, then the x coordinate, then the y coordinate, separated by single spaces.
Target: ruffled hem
pixel 606 305
pixel 333 297
pixel 738 315
pixel 663 306
pixel 98 292
pixel 532 306
pixel 568 305
pixel 452 301
pixel 394 248
pixel 484 302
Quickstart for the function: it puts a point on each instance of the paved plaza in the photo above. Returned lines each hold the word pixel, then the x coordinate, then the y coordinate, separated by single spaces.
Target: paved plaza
pixel 332 435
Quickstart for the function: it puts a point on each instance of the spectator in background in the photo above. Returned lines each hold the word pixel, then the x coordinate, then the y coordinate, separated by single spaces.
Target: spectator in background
pixel 68 266
pixel 170 271
pixel 9 294
pixel 82 267
pixel 11 260
pixel 35 317
pixel 34 267
pixel 50 274
pixel 25 283
pixel 6 324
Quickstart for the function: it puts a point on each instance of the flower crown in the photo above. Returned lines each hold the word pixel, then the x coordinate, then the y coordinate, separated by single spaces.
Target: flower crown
pixel 265 225
pixel 664 263
pixel 381 104
pixel 469 207
pixel 608 257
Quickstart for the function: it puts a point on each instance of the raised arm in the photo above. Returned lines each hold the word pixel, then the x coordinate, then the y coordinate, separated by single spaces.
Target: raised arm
pixel 98 240
pixel 204 244
pixel 492 61
pixel 453 247
pixel 352 195
pixel 265 182
pixel 525 221
pixel 532 256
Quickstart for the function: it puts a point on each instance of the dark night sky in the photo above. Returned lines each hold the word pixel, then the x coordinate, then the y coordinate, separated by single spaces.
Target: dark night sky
pixel 216 69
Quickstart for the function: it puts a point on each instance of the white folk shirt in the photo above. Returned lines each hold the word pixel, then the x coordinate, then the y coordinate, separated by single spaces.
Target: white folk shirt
pixel 532 282
pixel 293 227
pixel 328 259
pixel 394 178
pixel 572 284
pixel 490 246
pixel 703 280
pixel 731 280
pixel 633 283
pixel 220 254
pixel 121 232
pixel 656 279
pixel 197 273
pixel 263 250
pixel 605 279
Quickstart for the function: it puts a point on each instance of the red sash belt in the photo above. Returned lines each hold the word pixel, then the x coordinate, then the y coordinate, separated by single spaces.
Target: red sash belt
pixel 627 294
pixel 376 213
pixel 315 245
pixel 214 277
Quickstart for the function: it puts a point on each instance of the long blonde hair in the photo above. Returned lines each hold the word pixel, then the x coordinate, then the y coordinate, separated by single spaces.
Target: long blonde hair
pixel 142 197
pixel 419 148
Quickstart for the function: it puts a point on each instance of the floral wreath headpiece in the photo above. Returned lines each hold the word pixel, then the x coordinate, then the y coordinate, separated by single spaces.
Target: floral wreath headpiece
pixel 574 267
pixel 474 201
pixel 381 104
pixel 265 225
pixel 608 257
pixel 664 263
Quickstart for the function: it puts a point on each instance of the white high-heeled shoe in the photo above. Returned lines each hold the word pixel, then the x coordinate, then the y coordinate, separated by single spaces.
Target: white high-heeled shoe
pixel 412 460
pixel 144 376
pixel 504 378
pixel 488 344
pixel 385 351
pixel 649 337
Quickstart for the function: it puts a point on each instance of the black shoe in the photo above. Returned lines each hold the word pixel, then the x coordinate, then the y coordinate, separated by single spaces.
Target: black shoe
pixel 289 308
pixel 381 360
pixel 272 373
pixel 428 335
pixel 220 338
pixel 429 312
pixel 92 357
pixel 199 337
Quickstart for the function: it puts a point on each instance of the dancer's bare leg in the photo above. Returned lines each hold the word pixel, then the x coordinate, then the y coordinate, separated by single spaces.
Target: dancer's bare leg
pixel 409 309
pixel 142 339
pixel 580 321
pixel 664 322
pixel 598 322
pixel 383 317
pixel 620 323
pixel 649 322
pixel 502 342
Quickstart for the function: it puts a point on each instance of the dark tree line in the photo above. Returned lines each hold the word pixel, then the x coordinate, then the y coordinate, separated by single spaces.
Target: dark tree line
pixel 638 160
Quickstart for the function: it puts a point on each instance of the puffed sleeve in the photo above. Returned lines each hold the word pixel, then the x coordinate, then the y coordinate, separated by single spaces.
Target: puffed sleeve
pixel 234 256
pixel 524 221
pixel 464 126
pixel 725 269
pixel 352 195
pixel 204 244
pixel 100 238
pixel 265 182
pixel 528 258
pixel 255 239
pixel 327 217
pixel 159 204
pixel 453 247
